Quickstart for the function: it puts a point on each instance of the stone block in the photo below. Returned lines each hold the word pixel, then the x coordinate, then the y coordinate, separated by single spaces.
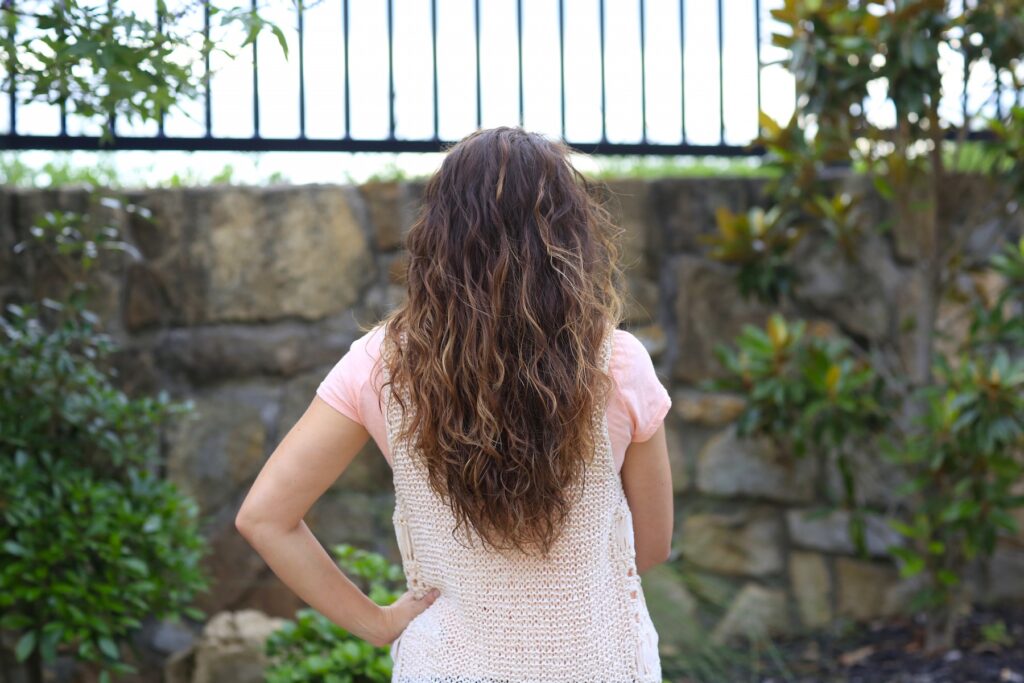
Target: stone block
pixel 866 590
pixel 269 595
pixel 756 613
pixel 230 649
pixel 684 208
pixel 831 533
pixel 392 207
pixel 744 542
pixel 252 254
pixel 1005 581
pixel 705 408
pixel 210 354
pixel 709 310
pixel 812 588
pixel 232 564
pixel 217 450
pixel 672 607
pixel 362 519
pixel 875 479
pixel 730 465
pixel 855 292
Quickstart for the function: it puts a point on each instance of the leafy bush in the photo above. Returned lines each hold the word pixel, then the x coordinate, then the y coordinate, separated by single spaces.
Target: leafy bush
pixel 967 451
pixel 757 242
pixel 967 460
pixel 951 423
pixel 806 393
pixel 313 649
pixel 93 540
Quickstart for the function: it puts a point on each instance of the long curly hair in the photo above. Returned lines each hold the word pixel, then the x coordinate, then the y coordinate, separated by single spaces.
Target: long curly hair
pixel 513 280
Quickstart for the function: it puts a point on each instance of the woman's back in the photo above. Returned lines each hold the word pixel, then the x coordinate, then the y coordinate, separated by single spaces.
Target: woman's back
pixel 576 614
pixel 505 399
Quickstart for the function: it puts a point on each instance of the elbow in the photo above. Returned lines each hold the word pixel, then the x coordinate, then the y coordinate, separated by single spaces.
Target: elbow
pixel 665 554
pixel 246 522
pixel 653 558
pixel 255 524
pixel 242 524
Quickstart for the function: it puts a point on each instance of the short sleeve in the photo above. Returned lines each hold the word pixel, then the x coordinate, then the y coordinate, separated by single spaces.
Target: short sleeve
pixel 645 398
pixel 342 386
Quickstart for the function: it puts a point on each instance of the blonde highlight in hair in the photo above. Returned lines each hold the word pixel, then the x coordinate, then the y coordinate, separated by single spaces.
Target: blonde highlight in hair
pixel 513 281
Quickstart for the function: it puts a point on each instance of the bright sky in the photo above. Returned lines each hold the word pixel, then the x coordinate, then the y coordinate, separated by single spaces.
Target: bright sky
pixel 232 111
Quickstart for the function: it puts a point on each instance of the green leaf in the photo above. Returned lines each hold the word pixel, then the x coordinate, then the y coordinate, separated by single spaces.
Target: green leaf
pixel 26 644
pixel 109 648
pixel 281 40
pixel 15 549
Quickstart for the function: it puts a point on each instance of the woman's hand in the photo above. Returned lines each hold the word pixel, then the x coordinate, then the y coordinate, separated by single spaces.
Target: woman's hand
pixel 396 616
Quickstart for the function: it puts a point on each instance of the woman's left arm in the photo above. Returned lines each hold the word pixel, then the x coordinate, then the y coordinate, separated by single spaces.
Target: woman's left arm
pixel 308 460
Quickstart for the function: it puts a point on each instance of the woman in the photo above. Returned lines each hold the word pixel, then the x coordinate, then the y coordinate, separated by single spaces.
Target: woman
pixel 524 431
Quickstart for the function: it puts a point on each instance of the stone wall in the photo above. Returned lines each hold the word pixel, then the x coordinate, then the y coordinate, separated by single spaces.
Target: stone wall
pixel 243 298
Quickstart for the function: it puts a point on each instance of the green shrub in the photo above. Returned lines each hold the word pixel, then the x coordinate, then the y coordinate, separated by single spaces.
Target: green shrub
pixel 313 649
pixel 951 426
pixel 808 394
pixel 93 540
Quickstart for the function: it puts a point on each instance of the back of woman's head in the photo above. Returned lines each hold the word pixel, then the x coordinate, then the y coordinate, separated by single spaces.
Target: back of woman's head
pixel 512 282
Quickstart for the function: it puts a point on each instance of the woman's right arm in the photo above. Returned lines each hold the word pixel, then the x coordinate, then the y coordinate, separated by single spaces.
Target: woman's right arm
pixel 647 481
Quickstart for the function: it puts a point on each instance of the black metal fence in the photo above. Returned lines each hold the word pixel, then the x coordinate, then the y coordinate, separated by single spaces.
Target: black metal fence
pixel 710 64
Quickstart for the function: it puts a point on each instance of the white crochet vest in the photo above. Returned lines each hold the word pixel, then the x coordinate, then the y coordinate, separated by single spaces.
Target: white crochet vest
pixel 578 615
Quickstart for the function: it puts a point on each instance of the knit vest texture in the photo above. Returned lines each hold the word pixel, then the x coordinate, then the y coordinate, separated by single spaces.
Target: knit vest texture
pixel 578 615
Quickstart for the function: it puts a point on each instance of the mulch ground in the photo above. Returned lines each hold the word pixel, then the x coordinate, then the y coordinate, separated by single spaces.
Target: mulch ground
pixel 989 648
pixel 891 652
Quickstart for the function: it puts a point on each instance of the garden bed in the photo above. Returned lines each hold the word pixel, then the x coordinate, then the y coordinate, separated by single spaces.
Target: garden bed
pixel 989 647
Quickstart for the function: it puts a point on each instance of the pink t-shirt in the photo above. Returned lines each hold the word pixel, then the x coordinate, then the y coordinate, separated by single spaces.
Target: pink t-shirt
pixel 638 405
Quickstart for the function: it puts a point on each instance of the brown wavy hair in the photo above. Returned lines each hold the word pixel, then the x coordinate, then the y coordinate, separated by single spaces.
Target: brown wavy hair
pixel 512 282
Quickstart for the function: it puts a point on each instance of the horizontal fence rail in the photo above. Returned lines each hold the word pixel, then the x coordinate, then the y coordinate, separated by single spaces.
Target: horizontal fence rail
pixel 665 77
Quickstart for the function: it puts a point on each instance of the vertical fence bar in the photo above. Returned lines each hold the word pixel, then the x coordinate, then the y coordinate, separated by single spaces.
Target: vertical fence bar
pixel 682 69
pixel 433 47
pixel 112 115
pixel 348 108
pixel 519 34
pixel 476 33
pixel 206 64
pixel 999 94
pixel 255 84
pixel 561 60
pixel 604 116
pixel 63 99
pixel 300 10
pixel 12 104
pixel 643 76
pixel 391 72
pixel 721 77
pixel 757 53
pixel 160 31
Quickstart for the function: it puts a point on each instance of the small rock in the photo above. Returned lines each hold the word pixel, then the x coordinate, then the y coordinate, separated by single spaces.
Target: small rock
pixel 756 612
pixel 230 649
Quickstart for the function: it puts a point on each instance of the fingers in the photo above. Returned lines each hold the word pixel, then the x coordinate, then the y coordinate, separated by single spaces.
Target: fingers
pixel 415 606
pixel 426 601
pixel 405 609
